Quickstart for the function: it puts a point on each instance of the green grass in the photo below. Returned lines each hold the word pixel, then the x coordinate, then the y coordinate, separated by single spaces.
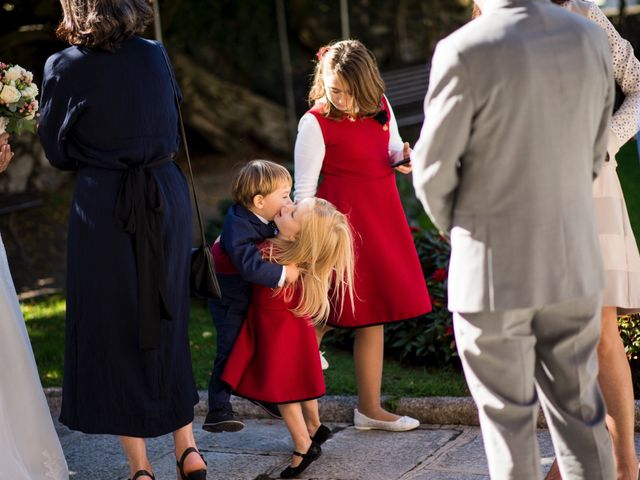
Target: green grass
pixel 45 324
pixel 397 379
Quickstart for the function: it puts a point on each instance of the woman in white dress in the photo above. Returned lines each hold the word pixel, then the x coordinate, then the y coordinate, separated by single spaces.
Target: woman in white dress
pixel 619 250
pixel 29 446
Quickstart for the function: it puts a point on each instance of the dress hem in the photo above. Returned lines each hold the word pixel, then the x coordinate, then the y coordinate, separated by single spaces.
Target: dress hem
pixel 129 431
pixel 251 399
pixel 355 327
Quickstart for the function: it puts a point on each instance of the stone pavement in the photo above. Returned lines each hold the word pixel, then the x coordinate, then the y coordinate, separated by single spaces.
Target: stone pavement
pixel 448 446
pixel 262 450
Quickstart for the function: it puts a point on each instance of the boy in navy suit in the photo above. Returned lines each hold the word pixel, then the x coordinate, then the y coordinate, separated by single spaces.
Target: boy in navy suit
pixel 260 190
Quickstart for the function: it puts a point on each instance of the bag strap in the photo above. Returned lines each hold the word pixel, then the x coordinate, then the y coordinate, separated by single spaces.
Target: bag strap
pixel 184 139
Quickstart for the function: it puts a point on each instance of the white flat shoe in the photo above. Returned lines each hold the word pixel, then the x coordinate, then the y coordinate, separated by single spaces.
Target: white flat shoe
pixel 403 424
pixel 323 361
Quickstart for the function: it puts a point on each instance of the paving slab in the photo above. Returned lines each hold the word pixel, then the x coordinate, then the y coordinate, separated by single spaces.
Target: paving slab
pixel 376 455
pixel 464 458
pixel 229 466
pixel 263 449
pixel 259 436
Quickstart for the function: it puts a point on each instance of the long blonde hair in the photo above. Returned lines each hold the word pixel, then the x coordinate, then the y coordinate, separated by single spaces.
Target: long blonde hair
pixel 357 67
pixel 323 252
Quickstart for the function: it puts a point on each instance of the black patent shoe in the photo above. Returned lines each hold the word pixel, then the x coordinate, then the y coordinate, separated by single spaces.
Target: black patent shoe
pixel 323 433
pixel 196 474
pixel 308 458
pixel 143 473
pixel 222 420
pixel 270 408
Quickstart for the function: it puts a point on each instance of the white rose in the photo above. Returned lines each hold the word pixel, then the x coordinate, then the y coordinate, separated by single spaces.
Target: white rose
pixel 29 77
pixel 9 94
pixel 30 91
pixel 14 73
pixel 4 121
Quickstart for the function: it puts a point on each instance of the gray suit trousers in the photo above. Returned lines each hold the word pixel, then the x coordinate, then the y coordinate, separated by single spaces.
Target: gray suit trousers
pixel 514 358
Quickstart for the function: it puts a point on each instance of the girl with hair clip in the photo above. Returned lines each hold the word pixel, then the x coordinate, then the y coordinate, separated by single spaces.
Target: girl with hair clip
pixel 275 357
pixel 351 137
pixel 619 249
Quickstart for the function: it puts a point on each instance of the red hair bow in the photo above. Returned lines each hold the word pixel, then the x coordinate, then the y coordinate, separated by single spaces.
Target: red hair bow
pixel 321 52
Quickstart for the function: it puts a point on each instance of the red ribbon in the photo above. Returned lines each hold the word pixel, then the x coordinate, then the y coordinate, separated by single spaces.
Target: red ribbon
pixel 321 52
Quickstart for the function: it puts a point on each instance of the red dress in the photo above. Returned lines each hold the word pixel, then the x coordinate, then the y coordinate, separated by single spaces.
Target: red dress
pixel 359 181
pixel 275 357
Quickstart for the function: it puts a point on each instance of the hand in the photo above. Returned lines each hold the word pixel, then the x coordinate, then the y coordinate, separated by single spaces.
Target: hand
pixel 291 274
pixel 404 168
pixel 5 152
pixel 406 152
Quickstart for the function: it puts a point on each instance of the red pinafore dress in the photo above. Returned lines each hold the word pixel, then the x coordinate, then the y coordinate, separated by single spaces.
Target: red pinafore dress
pixel 358 179
pixel 275 357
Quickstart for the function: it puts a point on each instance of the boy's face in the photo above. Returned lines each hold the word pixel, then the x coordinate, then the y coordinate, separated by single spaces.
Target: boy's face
pixel 267 206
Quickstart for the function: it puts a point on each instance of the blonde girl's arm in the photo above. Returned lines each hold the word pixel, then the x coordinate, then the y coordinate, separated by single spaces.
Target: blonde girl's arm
pixel 626 70
pixel 308 157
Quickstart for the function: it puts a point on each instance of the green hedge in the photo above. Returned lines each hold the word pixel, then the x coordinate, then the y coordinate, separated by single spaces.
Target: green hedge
pixel 429 340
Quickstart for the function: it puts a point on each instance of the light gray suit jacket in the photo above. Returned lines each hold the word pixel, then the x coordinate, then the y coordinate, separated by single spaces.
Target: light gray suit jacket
pixel 516 129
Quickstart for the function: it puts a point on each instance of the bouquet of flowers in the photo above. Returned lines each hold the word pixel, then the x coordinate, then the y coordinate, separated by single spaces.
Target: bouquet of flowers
pixel 18 104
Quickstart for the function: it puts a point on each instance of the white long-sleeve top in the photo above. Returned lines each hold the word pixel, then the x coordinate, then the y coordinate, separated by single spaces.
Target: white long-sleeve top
pixel 310 150
pixel 626 71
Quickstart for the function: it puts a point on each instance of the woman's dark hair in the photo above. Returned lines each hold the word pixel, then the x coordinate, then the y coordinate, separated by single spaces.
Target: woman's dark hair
pixel 103 24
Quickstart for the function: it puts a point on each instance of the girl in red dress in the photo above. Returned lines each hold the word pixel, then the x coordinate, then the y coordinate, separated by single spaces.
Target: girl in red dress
pixel 351 138
pixel 275 357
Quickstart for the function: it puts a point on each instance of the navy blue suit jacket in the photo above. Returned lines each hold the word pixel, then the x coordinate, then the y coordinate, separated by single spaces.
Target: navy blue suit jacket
pixel 242 232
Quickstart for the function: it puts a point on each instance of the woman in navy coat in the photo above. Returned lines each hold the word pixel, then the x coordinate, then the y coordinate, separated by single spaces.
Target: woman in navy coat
pixel 108 112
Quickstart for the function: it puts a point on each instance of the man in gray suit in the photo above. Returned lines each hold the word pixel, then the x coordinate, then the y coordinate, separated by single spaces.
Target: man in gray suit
pixel 516 129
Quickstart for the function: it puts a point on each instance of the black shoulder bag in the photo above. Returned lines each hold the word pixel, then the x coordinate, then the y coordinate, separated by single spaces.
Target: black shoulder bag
pixel 204 283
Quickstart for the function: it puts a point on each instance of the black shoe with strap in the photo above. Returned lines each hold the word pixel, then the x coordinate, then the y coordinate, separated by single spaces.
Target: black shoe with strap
pixel 143 473
pixel 270 408
pixel 323 433
pixel 308 458
pixel 200 474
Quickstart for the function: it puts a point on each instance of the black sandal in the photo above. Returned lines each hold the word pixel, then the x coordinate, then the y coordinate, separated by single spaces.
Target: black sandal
pixel 323 433
pixel 308 458
pixel 142 473
pixel 195 475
